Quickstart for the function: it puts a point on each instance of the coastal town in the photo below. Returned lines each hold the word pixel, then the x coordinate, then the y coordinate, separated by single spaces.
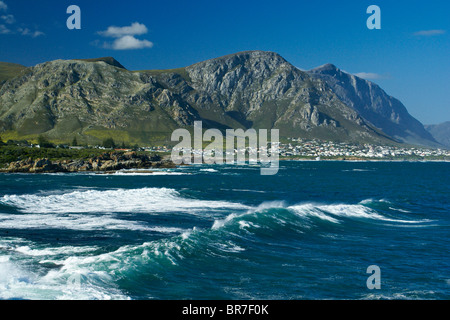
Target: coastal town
pixel 322 150
pixel 330 149
pixel 22 156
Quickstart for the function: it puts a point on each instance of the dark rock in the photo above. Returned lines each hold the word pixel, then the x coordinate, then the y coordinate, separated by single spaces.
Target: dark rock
pixel 107 162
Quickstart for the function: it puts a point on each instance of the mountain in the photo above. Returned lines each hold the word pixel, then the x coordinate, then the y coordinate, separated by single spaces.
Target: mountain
pixel 91 100
pixel 108 60
pixel 440 132
pixel 9 71
pixel 374 105
pixel 98 98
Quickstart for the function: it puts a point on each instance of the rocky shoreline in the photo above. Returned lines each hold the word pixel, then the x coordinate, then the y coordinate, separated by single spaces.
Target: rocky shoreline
pixel 104 163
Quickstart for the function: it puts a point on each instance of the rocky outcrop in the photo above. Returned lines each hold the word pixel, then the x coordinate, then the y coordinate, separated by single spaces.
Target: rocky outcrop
pixel 33 166
pixel 104 163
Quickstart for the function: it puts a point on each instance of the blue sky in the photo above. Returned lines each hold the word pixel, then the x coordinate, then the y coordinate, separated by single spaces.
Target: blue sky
pixel 408 57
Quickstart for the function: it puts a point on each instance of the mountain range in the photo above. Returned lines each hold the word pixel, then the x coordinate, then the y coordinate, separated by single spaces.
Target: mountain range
pixel 93 99
pixel 441 132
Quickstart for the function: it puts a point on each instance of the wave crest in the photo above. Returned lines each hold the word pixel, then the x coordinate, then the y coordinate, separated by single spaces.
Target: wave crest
pixel 144 200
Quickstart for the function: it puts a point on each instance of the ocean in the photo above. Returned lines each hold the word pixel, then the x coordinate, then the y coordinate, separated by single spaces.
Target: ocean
pixel 225 232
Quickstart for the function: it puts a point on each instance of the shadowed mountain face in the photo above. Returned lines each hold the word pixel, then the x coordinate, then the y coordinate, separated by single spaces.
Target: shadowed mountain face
pixel 108 60
pixel 440 132
pixel 96 98
pixel 374 105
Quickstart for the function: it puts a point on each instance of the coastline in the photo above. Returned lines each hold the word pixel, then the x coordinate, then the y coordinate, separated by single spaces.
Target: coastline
pixel 366 160
pixel 105 163
pixel 133 162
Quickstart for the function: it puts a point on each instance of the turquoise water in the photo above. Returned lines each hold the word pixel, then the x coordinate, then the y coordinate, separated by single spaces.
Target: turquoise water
pixel 226 232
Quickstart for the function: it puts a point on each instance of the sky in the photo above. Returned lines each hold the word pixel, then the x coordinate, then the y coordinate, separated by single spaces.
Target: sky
pixel 408 57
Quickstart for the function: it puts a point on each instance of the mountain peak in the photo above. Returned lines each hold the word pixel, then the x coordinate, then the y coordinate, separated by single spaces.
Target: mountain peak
pixel 108 60
pixel 328 68
pixel 253 55
pixel 374 105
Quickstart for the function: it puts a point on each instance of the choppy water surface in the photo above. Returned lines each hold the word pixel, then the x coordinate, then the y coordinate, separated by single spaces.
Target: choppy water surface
pixel 226 232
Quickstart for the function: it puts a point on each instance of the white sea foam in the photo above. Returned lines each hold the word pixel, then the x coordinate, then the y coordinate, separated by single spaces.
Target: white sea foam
pixel 361 211
pixel 399 210
pixel 330 213
pixel 12 277
pixel 369 201
pixel 406 295
pixel 208 170
pixel 145 200
pixel 229 247
pixel 89 210
pixel 80 222
pixel 46 252
pixel 146 173
pixel 358 170
pixel 79 273
pixel 311 210
pixel 351 211
pixel 19 282
pixel 222 222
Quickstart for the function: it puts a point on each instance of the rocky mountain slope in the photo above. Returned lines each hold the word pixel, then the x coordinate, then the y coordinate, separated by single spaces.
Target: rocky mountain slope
pixel 98 98
pixel 440 132
pixel 374 105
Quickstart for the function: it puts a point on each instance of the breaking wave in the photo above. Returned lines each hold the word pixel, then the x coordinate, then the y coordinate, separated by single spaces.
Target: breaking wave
pixel 32 271
pixel 144 200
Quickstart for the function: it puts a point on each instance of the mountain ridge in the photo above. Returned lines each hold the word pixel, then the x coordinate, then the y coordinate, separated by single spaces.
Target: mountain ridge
pixel 108 60
pixel 440 132
pixel 374 105
pixel 97 98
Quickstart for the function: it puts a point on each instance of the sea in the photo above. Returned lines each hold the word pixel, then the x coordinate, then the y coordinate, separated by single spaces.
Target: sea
pixel 316 230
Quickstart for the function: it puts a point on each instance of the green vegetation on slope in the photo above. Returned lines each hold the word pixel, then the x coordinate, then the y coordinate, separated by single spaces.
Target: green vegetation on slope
pixel 97 99
pixel 10 70
pixel 10 154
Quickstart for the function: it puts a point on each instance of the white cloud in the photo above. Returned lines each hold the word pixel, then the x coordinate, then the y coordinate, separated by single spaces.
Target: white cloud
pixel 28 32
pixel 4 29
pixel 37 33
pixel 428 33
pixel 125 37
pixel 130 43
pixel 9 19
pixel 371 76
pixel 24 31
pixel 3 6
pixel 116 32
